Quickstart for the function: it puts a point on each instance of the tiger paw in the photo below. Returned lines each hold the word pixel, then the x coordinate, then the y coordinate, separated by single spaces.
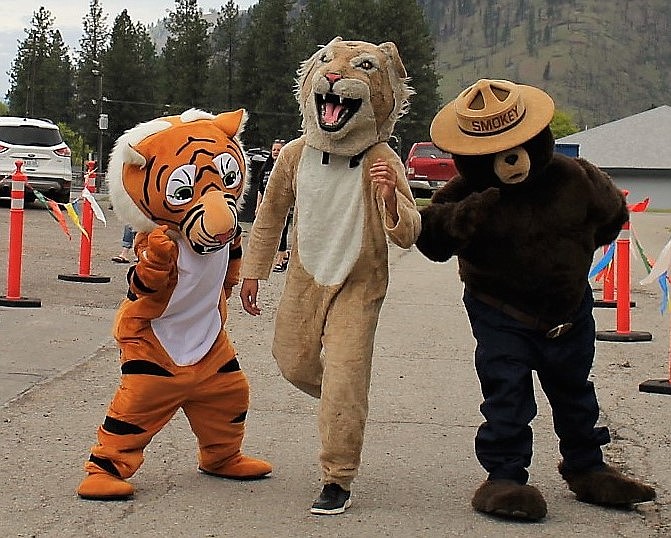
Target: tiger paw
pixel 105 487
pixel 240 468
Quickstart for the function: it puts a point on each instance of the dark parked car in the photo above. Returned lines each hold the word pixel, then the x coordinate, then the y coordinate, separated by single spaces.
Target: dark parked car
pixel 428 168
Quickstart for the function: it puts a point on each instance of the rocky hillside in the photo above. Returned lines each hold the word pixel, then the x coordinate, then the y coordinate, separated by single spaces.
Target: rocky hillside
pixel 600 60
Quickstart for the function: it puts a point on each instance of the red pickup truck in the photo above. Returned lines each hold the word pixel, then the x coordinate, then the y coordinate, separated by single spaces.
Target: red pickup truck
pixel 428 168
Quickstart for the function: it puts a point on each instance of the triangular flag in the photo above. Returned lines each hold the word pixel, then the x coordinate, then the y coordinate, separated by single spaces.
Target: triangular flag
pixel 603 263
pixel 56 212
pixel 665 291
pixel 75 218
pixel 86 194
pixel 639 206
pixel 661 266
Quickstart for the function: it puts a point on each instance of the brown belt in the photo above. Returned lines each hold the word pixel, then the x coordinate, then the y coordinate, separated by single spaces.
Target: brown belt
pixel 551 331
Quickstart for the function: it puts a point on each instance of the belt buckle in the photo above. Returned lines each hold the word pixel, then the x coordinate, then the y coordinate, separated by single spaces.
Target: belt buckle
pixel 560 329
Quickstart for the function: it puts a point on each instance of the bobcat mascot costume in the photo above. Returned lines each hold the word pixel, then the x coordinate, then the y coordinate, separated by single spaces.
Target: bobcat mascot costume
pixel 350 193
pixel 176 180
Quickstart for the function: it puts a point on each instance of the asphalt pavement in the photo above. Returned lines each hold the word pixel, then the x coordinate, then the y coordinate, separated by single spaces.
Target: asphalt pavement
pixel 58 370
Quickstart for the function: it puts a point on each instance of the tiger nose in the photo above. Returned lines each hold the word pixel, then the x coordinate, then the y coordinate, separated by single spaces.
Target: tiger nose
pixel 222 239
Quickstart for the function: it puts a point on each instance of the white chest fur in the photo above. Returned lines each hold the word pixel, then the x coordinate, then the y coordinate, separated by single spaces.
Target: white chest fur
pixel 191 322
pixel 330 215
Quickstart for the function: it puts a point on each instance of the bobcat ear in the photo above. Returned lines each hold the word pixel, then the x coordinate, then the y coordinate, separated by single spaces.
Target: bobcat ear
pixel 389 48
pixel 231 123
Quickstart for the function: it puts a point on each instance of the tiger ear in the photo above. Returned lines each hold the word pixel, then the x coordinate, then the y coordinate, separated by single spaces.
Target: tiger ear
pixel 231 122
pixel 133 156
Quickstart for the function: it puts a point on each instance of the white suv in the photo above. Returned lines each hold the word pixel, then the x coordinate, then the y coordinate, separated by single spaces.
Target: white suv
pixel 46 158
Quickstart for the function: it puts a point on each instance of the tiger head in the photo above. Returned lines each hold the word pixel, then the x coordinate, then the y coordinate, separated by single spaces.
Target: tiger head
pixel 350 94
pixel 187 172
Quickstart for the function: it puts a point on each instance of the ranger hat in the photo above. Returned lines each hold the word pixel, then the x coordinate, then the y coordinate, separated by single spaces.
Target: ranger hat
pixel 491 116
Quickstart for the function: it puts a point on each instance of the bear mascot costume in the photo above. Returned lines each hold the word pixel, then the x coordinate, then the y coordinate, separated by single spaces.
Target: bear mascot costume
pixel 177 180
pixel 524 223
pixel 350 194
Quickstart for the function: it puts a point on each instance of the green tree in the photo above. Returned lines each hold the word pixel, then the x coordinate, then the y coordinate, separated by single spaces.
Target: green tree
pixel 313 27
pixel 41 74
pixel 75 142
pixel 416 47
pixel 267 73
pixel 563 124
pixel 355 20
pixel 531 32
pixel 224 65
pixel 130 93
pixel 185 58
pixel 91 75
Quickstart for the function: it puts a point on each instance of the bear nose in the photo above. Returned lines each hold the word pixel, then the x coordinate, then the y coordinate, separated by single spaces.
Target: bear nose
pixel 511 159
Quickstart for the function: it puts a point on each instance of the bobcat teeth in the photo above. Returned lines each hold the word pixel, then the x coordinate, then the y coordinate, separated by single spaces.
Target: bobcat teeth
pixel 341 99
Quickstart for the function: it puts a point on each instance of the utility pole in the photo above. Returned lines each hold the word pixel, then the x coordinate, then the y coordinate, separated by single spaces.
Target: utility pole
pixel 102 118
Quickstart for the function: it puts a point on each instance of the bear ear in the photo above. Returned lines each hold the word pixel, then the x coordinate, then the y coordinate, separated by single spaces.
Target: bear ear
pixel 389 48
pixel 231 123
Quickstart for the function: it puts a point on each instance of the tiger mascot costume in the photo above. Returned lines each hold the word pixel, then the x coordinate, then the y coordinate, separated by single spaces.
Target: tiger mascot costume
pixel 350 194
pixel 177 180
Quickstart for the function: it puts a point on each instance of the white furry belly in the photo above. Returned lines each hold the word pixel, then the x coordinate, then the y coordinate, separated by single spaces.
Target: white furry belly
pixel 330 216
pixel 191 321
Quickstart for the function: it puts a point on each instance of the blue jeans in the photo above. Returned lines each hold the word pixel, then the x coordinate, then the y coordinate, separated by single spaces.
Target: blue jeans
pixel 128 237
pixel 506 354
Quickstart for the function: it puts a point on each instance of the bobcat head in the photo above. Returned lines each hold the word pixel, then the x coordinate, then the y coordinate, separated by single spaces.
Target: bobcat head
pixel 350 94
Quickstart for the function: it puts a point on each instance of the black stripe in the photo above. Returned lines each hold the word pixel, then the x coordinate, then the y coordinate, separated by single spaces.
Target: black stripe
pixel 139 366
pixel 240 418
pixel 131 296
pixel 105 465
pixel 119 427
pixel 325 158
pixel 235 253
pixel 140 285
pixel 231 366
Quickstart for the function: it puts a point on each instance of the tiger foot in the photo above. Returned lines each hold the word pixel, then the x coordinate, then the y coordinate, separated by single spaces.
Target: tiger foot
pixel 240 468
pixel 606 486
pixel 105 487
pixel 509 499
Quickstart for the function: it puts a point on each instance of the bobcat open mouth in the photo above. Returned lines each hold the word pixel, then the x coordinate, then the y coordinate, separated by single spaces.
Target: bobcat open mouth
pixel 335 111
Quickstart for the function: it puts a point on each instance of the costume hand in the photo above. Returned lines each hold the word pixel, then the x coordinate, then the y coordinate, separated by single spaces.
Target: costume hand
pixel 248 293
pixel 384 177
pixel 160 248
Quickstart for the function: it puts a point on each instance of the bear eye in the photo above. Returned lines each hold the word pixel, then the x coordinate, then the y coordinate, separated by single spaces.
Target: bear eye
pixel 179 190
pixel 367 65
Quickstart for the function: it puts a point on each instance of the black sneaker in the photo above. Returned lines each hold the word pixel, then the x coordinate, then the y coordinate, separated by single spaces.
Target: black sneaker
pixel 332 500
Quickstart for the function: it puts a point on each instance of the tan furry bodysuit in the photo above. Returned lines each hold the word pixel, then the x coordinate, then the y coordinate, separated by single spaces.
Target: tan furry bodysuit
pixel 335 284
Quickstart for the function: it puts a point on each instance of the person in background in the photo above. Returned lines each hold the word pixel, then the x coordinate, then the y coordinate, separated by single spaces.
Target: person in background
pixel 282 257
pixel 126 245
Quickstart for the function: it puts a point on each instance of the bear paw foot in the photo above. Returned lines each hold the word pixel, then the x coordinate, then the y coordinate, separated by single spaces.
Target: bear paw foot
pixel 240 468
pixel 606 486
pixel 509 499
pixel 105 487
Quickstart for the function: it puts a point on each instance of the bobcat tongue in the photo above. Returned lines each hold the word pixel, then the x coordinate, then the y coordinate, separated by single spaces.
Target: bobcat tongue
pixel 331 112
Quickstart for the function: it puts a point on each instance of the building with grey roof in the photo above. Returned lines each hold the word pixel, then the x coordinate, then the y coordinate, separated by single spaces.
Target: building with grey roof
pixel 635 151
